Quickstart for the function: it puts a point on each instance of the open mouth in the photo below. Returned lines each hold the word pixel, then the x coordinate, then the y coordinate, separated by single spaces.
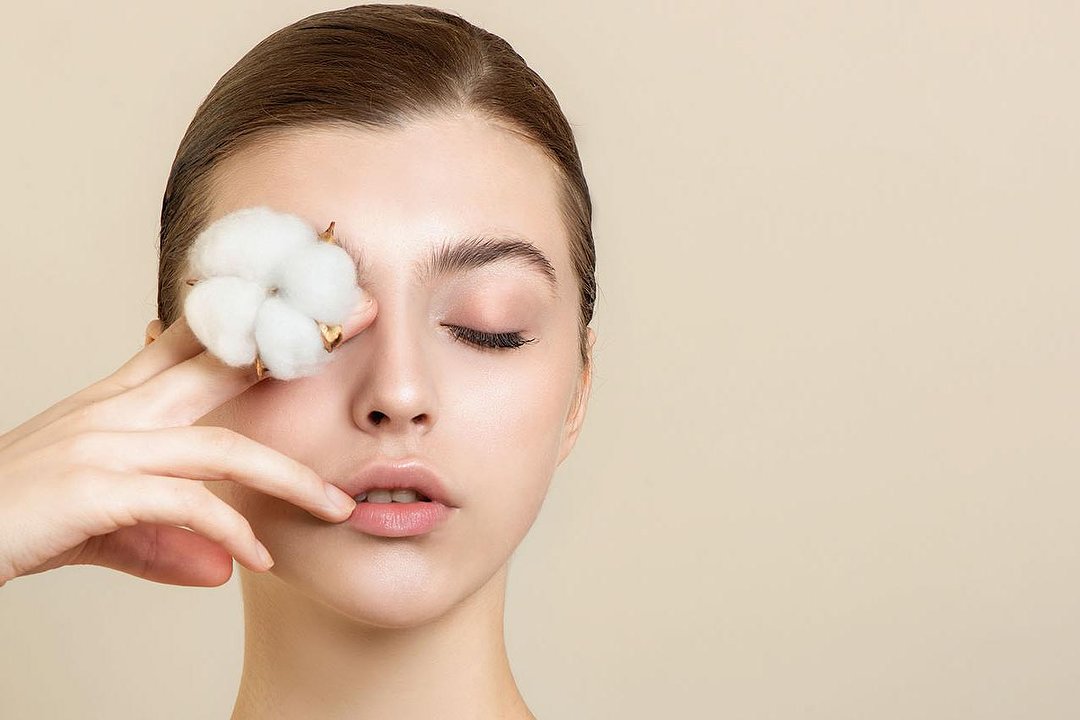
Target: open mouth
pixel 391 496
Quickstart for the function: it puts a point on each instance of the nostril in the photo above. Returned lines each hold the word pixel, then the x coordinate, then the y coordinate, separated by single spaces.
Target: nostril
pixel 376 416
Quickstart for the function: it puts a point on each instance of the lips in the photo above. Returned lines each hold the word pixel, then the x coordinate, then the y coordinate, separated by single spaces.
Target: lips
pixel 410 474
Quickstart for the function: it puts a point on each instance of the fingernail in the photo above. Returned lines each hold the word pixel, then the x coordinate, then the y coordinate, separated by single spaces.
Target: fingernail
pixel 339 501
pixel 264 554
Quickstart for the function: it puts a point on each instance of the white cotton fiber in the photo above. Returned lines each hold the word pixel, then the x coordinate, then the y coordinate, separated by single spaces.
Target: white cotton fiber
pixel 290 344
pixel 221 312
pixel 319 280
pixel 250 243
pixel 265 280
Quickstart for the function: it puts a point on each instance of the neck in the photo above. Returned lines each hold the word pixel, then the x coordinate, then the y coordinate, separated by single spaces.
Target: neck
pixel 304 659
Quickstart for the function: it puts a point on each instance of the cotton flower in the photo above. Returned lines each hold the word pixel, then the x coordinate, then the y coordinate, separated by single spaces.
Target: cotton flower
pixel 271 290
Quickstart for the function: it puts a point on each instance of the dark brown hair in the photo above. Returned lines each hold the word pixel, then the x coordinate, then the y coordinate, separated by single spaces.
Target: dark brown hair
pixel 373 66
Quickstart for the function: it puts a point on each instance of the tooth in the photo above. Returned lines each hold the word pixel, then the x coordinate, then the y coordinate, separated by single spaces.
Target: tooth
pixel 379 496
pixel 401 495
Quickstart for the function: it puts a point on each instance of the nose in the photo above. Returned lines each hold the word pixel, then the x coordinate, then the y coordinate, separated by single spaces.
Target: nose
pixel 395 392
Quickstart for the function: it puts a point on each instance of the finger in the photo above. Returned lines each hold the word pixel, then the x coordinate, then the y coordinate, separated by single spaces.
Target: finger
pixel 32 425
pixel 161 553
pixel 179 343
pixel 176 344
pixel 205 452
pixel 193 389
pixel 128 499
pixel 188 391
pixel 360 318
pixel 179 396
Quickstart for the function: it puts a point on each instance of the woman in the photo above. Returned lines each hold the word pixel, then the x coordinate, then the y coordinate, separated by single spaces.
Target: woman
pixel 453 178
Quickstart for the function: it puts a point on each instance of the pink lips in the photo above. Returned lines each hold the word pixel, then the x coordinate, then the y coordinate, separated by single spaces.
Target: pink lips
pixel 400 519
pixel 394 519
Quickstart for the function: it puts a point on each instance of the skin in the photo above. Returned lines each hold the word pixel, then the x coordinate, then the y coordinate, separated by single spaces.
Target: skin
pixel 351 625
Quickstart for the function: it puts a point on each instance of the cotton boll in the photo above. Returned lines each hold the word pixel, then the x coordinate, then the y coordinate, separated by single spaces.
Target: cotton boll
pixel 319 280
pixel 221 312
pixel 249 243
pixel 266 279
pixel 290 344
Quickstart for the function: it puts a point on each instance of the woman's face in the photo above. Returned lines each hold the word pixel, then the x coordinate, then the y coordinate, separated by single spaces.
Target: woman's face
pixel 493 424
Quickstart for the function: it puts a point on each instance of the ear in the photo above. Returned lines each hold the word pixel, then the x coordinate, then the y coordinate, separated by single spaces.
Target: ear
pixel 576 417
pixel 153 329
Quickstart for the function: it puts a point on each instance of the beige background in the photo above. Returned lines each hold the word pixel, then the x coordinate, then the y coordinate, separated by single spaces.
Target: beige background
pixel 829 469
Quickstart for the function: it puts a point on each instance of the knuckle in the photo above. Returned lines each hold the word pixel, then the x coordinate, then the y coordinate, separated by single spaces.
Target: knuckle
pixel 223 440
pixel 85 416
pixel 71 483
pixel 114 384
pixel 89 489
pixel 107 412
pixel 225 518
pixel 83 448
pixel 191 497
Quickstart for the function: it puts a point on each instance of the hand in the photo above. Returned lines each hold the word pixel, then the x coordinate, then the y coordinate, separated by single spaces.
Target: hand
pixel 106 476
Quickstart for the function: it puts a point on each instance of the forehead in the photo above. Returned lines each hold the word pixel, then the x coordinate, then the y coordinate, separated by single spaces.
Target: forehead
pixel 396 192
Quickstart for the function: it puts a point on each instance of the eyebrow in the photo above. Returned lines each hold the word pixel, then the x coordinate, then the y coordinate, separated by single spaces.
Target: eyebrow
pixel 476 251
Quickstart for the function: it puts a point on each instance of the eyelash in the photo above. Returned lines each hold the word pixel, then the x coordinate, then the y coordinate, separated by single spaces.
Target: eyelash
pixel 490 341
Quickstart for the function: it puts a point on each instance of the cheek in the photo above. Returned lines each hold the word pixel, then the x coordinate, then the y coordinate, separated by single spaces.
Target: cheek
pixel 514 404
pixel 505 417
pixel 279 415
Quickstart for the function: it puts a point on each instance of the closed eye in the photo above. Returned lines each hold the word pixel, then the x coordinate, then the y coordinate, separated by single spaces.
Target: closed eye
pixel 485 340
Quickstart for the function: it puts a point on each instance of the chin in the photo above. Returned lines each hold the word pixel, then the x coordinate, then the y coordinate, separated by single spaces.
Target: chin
pixel 398 582
pixel 382 582
pixel 373 605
